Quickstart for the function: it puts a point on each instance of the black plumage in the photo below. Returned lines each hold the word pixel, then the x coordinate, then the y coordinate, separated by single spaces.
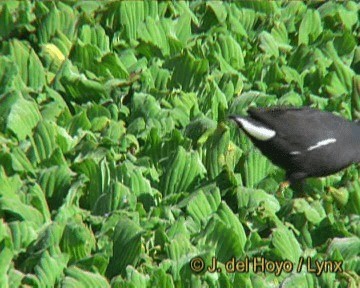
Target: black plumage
pixel 304 141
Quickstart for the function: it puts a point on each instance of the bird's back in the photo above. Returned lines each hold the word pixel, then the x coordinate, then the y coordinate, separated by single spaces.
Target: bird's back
pixel 308 141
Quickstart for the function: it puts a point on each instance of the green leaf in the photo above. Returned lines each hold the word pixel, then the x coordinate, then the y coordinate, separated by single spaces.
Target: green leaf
pixel 214 151
pixel 16 209
pixel 77 240
pixel 348 247
pixel 311 214
pixel 215 102
pixel 202 204
pixel 115 131
pixel 258 198
pixel 8 73
pixel 80 89
pixel 132 177
pixel 157 78
pixel 96 111
pixel 353 205
pixel 96 36
pixel 23 117
pixel 43 142
pixel 9 185
pixel 12 204
pixel 280 34
pixel 183 25
pixel 231 51
pixel 268 44
pixel 63 43
pixel 6 22
pixel 132 279
pixel 199 127
pixel 61 18
pixel 345 44
pixel 22 234
pixel 254 167
pixel 48 270
pixel 236 25
pixel 348 15
pixel 159 278
pixel 299 280
pixel 6 256
pixel 291 99
pixel 110 64
pixel 52 110
pixel 79 122
pixel 285 244
pixel 98 175
pixel 182 169
pixel 246 17
pixel 28 63
pixel 20 161
pixel 38 200
pixel 76 277
pixel 292 76
pixel 227 216
pixel 339 81
pixel 219 10
pixel 188 72
pixel 310 27
pixel 151 31
pixel 178 251
pixel 53 57
pixel 264 7
pixel 184 105
pixel 126 246
pixel 55 182
pixel 224 247
pixel 355 97
pixel 85 55
pixel 119 196
pixel 132 14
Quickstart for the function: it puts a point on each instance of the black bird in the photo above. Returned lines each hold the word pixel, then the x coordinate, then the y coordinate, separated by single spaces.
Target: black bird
pixel 305 142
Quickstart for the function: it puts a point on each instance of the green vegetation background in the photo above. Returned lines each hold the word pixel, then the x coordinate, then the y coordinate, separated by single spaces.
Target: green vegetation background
pixel 118 164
